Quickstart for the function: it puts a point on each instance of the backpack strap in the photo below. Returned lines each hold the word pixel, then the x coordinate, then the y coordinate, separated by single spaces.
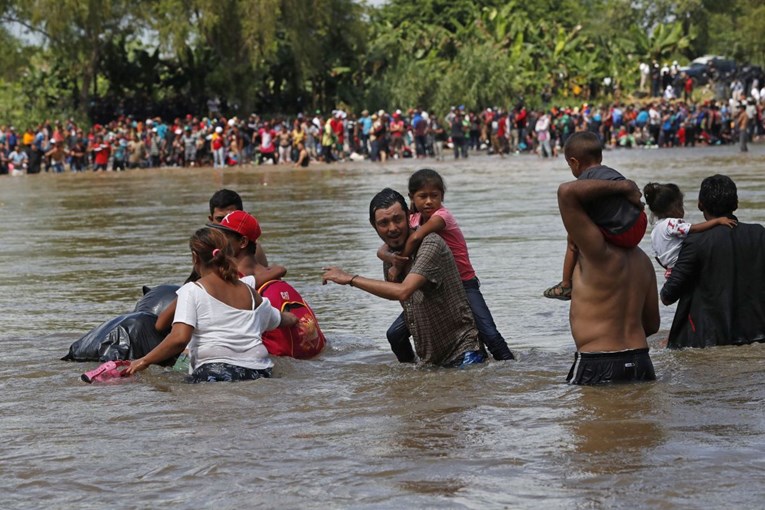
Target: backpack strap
pixel 266 285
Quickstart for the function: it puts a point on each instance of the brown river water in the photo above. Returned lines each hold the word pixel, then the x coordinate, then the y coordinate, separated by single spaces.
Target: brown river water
pixel 353 428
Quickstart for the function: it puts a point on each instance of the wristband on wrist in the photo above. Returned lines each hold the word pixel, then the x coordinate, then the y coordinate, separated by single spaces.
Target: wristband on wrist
pixel 353 278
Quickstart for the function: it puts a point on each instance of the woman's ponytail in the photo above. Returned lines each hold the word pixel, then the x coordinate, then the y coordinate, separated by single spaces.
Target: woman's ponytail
pixel 214 250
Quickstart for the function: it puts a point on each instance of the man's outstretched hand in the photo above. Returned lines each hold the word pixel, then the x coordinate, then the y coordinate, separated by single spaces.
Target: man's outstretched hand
pixel 335 274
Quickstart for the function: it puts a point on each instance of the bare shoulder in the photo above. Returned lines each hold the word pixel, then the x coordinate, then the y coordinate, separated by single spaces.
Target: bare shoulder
pixel 643 266
pixel 639 254
pixel 616 264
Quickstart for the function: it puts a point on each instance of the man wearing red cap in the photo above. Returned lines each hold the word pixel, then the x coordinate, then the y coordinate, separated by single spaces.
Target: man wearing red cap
pixel 243 231
pixel 306 340
pixel 243 223
pixel 225 201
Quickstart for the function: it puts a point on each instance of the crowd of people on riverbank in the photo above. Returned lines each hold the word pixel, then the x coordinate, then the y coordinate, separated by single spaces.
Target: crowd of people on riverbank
pixel 340 135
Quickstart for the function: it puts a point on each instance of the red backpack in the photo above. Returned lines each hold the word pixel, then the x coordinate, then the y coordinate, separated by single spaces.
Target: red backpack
pixel 302 341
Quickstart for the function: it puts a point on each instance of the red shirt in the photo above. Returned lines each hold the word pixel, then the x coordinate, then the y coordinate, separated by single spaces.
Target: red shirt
pixel 102 153
pixel 399 124
pixel 520 118
pixel 337 128
pixel 267 140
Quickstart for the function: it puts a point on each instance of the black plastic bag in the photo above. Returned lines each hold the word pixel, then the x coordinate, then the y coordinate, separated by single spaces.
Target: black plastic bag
pixel 156 299
pixel 127 336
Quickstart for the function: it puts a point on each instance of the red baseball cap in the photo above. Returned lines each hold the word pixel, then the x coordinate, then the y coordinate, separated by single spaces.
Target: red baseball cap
pixel 243 224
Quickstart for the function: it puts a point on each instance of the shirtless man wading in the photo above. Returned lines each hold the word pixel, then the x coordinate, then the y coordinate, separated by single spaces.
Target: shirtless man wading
pixel 614 303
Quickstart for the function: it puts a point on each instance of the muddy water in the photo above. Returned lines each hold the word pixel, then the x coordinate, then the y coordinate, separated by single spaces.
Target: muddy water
pixel 353 428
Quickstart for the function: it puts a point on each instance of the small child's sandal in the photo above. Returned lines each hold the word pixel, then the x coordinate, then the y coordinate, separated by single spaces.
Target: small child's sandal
pixel 558 292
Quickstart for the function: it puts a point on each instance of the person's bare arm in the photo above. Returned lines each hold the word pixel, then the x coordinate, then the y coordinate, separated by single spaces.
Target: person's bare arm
pixel 173 344
pixel 572 197
pixel 434 224
pixel 288 320
pixel 384 254
pixel 651 317
pixel 266 274
pixel 580 227
pixel 165 319
pixel 387 290
pixel 706 225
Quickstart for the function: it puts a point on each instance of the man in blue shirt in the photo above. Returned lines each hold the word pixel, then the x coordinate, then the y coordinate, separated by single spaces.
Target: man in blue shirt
pixel 365 121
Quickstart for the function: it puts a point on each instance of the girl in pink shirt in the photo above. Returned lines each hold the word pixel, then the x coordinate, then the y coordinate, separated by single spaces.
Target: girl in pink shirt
pixel 426 191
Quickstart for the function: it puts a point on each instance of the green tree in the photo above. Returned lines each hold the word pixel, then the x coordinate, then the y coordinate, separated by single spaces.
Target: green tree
pixel 75 32
pixel 289 55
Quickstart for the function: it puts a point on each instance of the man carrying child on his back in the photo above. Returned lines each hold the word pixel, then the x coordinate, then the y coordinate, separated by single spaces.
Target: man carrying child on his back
pixel 614 301
pixel 622 223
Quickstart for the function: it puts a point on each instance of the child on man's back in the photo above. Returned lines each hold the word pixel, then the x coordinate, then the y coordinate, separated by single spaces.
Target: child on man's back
pixel 623 224
pixel 426 191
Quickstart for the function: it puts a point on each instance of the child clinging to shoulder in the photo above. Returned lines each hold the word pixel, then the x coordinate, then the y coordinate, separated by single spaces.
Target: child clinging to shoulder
pixel 426 192
pixel 622 223
pixel 666 204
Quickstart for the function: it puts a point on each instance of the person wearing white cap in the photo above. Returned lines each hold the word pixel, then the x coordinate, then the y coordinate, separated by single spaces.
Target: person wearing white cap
pixel 217 144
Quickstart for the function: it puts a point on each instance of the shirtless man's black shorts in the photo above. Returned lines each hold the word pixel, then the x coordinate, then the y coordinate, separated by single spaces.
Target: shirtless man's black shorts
pixel 611 367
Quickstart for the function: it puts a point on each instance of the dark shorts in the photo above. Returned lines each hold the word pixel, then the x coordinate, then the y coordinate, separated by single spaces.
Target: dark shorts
pixel 631 237
pixel 611 367
pixel 223 372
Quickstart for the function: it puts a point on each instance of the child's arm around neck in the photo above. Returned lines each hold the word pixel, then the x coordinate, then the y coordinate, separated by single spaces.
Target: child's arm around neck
pixel 706 225
pixel 434 224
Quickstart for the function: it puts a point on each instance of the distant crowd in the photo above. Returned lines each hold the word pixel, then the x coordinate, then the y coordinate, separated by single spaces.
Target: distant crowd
pixel 127 142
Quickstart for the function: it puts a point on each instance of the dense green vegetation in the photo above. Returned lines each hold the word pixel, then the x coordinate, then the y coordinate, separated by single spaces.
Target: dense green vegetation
pixel 100 58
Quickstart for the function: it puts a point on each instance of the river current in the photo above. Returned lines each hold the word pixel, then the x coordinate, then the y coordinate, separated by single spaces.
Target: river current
pixel 353 428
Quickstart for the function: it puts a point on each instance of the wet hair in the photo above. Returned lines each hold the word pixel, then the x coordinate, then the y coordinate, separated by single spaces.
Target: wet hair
pixel 205 242
pixel 585 146
pixel 662 199
pixel 425 177
pixel 225 198
pixel 384 199
pixel 718 195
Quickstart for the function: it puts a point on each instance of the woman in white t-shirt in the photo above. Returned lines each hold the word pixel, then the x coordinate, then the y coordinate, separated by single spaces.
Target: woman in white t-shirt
pixel 666 204
pixel 220 317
